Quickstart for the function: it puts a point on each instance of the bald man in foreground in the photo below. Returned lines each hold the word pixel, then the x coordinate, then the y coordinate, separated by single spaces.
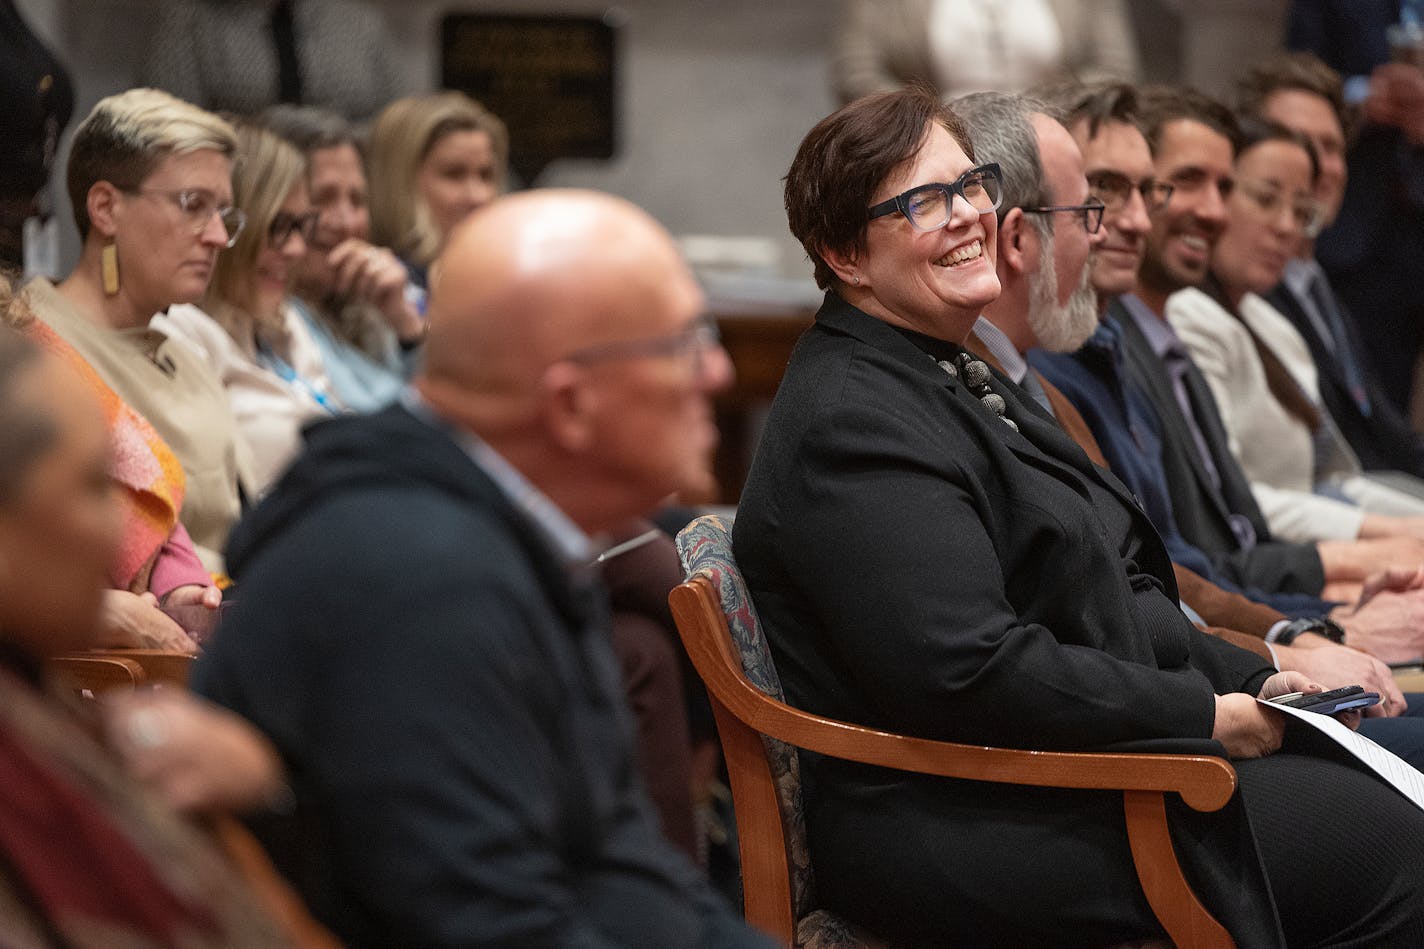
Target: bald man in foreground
pixel 421 634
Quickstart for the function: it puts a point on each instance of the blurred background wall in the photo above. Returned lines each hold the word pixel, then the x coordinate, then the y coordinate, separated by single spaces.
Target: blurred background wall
pixel 713 95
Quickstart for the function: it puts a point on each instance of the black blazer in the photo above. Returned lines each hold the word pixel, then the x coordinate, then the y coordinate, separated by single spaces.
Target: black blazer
pixel 1382 440
pixel 921 567
pixel 1202 512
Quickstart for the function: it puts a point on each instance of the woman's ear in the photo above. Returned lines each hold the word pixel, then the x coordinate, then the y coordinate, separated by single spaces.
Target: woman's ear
pixel 1018 242
pixel 845 264
pixel 101 203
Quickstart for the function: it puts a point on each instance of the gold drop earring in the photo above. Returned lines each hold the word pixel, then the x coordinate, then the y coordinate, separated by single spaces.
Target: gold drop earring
pixel 109 268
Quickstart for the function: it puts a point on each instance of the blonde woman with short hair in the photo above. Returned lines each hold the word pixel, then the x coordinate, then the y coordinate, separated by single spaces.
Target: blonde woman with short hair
pixel 246 330
pixel 434 160
pixel 150 180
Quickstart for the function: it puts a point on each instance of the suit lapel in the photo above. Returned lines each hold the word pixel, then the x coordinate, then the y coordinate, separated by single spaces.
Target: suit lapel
pixel 1147 371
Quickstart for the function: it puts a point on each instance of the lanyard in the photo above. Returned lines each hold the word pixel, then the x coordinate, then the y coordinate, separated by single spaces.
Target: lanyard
pixel 289 375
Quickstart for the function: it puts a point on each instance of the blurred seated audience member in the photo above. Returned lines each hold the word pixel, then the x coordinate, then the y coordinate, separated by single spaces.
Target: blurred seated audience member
pixel 247 333
pixel 150 181
pixel 1259 368
pixel 88 858
pixel 350 293
pixel 155 561
pixel 962 46
pixel 241 56
pixel 434 160
pixel 39 100
pixel 454 663
pixel 1372 249
pixel 1300 92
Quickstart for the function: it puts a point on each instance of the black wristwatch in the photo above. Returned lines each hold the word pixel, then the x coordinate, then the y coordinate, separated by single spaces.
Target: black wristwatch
pixel 1311 624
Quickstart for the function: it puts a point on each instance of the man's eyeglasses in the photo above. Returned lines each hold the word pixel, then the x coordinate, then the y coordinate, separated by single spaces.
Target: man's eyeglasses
pixel 1270 199
pixel 1115 190
pixel 690 344
pixel 1091 213
pixel 198 207
pixel 928 207
pixel 284 225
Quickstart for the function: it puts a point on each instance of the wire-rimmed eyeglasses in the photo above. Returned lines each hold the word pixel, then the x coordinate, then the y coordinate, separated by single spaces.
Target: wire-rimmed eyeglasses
pixel 1115 190
pixel 1306 212
pixel 198 206
pixel 691 343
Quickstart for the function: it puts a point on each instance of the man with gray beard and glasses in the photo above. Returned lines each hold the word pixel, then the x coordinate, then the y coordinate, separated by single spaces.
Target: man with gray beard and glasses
pixel 1048 228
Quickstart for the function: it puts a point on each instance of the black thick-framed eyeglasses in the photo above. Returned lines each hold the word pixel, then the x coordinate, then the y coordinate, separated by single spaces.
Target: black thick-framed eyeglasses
pixel 928 207
pixel 1090 213
pixel 284 225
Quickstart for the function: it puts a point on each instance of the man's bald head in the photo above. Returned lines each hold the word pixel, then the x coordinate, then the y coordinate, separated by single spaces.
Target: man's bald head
pixel 538 275
pixel 565 331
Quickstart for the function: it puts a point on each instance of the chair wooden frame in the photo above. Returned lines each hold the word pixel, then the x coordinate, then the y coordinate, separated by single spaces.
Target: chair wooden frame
pixel 98 672
pixel 744 714
pixel 99 669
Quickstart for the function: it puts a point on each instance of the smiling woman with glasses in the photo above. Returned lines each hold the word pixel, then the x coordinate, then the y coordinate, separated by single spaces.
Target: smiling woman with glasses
pixel 150 180
pixel 247 329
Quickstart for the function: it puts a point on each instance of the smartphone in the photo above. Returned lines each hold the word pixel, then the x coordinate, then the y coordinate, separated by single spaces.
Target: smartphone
pixel 1336 700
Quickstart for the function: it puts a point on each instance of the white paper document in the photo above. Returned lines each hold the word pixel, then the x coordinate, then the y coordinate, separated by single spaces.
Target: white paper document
pixel 1394 769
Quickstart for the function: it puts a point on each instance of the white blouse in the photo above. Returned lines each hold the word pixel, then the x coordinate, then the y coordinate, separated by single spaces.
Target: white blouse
pixel 270 408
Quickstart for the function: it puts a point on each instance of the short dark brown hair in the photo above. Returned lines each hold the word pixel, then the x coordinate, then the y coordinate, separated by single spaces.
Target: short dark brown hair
pixel 1303 71
pixel 845 158
pixel 1256 131
pixel 1161 105
pixel 1095 103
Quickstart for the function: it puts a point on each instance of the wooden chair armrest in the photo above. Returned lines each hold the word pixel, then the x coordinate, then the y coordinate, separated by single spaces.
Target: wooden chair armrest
pixel 159 665
pixel 1206 783
pixel 96 673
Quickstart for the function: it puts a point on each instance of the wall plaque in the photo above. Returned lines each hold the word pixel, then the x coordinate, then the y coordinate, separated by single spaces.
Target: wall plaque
pixel 550 78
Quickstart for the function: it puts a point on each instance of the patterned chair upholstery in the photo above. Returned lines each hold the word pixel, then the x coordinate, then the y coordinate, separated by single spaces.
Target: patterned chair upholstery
pixel 705 547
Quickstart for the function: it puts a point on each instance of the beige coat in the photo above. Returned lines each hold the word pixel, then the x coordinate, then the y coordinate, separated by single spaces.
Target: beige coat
pixel 180 397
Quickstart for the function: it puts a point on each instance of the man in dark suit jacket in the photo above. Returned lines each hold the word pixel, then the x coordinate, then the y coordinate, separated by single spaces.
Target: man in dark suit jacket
pixel 1300 92
pixel 421 633
pixel 1373 248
